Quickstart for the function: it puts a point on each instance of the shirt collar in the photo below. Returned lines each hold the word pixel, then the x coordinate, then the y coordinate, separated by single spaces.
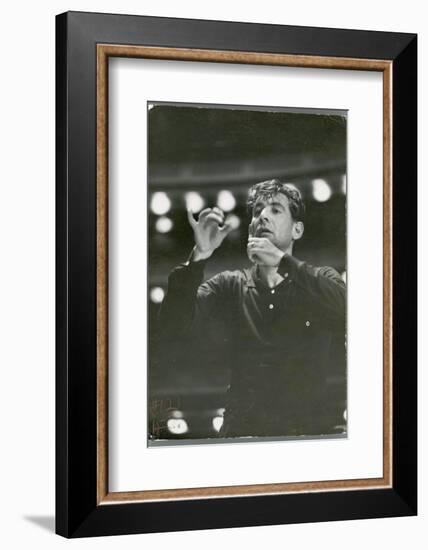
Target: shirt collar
pixel 250 276
pixel 251 279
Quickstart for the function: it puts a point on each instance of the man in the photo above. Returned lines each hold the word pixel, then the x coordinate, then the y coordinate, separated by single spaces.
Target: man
pixel 281 322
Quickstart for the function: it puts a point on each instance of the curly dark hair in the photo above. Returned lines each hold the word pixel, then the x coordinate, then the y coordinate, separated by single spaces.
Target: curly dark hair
pixel 269 188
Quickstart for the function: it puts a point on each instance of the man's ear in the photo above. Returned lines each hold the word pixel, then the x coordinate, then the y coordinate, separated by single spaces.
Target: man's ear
pixel 298 229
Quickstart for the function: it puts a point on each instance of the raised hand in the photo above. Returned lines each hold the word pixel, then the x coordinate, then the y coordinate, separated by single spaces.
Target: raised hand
pixel 262 251
pixel 209 230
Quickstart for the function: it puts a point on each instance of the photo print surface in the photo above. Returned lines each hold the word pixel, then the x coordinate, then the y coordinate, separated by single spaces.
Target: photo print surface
pixel 246 273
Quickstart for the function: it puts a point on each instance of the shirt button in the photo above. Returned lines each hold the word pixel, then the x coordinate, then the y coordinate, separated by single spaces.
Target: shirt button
pixel 285 275
pixel 270 306
pixel 308 323
pixel 272 291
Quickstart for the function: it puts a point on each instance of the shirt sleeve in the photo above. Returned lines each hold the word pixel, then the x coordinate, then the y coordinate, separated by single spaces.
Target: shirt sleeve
pixel 189 298
pixel 323 284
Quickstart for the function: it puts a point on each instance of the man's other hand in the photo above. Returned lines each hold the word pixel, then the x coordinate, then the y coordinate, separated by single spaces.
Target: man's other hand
pixel 262 252
pixel 209 230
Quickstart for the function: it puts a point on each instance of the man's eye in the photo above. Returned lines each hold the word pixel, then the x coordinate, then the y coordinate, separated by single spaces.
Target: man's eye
pixel 275 210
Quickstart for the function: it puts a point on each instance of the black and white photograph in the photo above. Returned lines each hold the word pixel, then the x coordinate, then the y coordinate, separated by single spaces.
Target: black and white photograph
pixel 247 240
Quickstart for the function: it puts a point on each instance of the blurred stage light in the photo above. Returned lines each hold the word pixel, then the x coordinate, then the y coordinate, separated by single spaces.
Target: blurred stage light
pixel 164 224
pixel 226 201
pixel 321 190
pixel 177 426
pixel 194 201
pixel 344 276
pixel 160 203
pixel 157 294
pixel 344 184
pixel 234 221
pixel 218 423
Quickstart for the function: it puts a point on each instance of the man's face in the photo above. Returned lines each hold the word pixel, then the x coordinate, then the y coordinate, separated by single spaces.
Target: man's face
pixel 272 219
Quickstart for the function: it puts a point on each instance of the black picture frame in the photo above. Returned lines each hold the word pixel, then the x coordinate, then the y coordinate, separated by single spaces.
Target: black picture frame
pixel 78 510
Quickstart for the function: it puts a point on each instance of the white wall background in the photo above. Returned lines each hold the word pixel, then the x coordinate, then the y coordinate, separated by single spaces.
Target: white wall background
pixel 27 272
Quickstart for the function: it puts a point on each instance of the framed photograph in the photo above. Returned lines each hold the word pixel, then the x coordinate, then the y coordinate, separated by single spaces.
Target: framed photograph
pixel 236 274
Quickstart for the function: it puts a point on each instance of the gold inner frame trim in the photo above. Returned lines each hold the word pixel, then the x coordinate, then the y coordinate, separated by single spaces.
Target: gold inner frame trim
pixel 104 51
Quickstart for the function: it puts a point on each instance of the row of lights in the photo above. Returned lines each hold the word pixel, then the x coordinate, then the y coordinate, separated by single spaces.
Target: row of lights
pixel 179 425
pixel 161 204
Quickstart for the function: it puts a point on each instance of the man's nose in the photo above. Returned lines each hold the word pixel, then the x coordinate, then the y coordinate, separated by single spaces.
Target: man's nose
pixel 264 214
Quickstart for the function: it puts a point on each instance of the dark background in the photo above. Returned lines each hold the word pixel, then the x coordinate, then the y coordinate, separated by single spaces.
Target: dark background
pixel 209 149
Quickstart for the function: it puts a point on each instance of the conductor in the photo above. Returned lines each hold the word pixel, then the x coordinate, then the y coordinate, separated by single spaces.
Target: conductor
pixel 283 319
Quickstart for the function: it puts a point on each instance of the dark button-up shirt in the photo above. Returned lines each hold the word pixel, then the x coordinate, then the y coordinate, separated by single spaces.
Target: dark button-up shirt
pixel 280 341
